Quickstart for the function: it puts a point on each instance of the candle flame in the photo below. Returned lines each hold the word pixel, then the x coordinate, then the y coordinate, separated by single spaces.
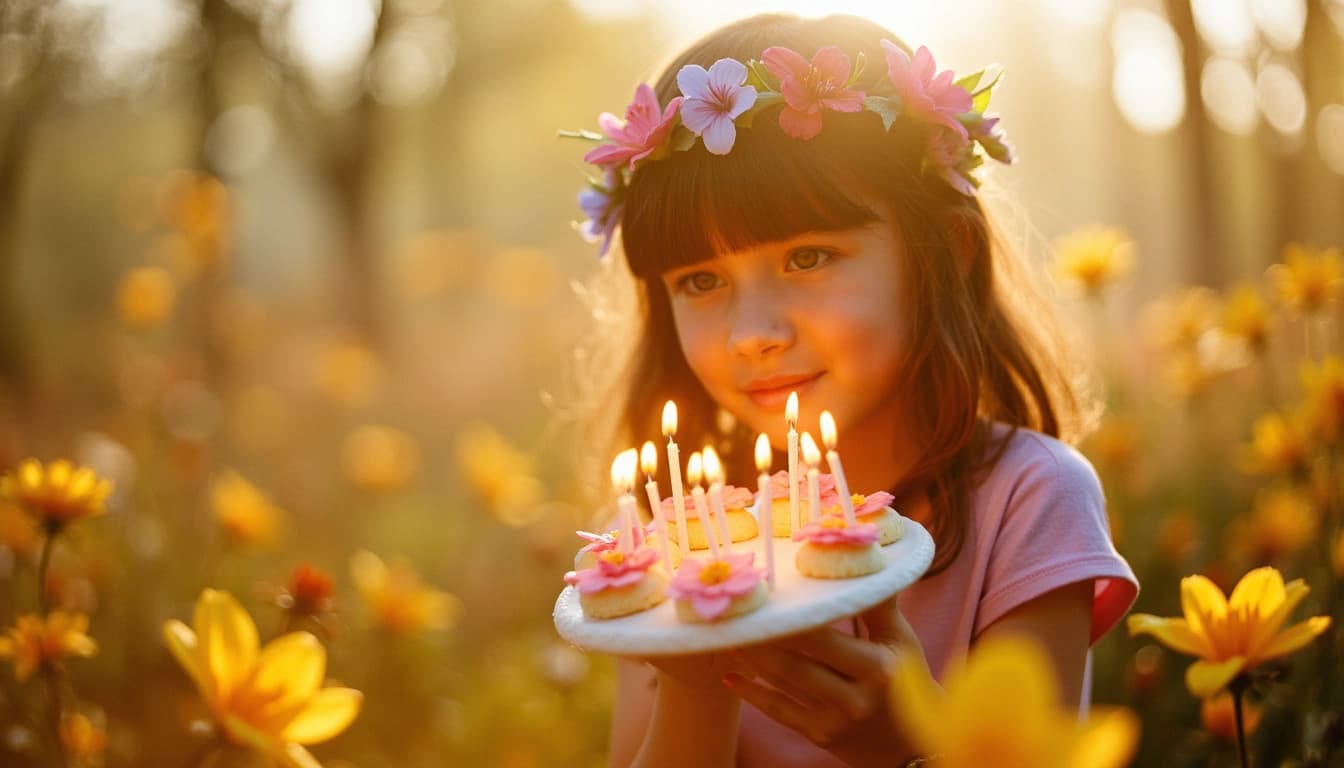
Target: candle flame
pixel 713 467
pixel 791 409
pixel 630 464
pixel 618 471
pixel 763 454
pixel 693 469
pixel 648 458
pixel 811 454
pixel 669 419
pixel 828 430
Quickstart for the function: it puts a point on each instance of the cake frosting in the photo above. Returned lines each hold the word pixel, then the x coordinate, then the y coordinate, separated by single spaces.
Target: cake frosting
pixel 740 522
pixel 706 589
pixel 834 549
pixel 620 583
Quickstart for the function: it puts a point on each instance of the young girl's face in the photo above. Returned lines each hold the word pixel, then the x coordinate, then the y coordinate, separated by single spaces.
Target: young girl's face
pixel 816 314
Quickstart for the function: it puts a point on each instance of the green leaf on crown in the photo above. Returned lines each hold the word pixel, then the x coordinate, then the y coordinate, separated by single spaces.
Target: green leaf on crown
pixel 682 139
pixel 759 77
pixel 887 108
pixel 860 62
pixel 764 100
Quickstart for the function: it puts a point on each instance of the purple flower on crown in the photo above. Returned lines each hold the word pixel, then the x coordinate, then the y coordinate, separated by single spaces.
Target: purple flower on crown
pixel 714 98
pixel 926 93
pixel 992 138
pixel 810 87
pixel 642 133
pixel 602 202
pixel 949 151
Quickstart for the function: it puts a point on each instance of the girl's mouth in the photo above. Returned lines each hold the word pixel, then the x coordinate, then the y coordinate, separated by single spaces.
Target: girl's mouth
pixel 773 392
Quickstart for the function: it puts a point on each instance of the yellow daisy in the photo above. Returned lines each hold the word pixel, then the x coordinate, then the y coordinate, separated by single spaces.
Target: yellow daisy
pixel 244 512
pixel 1246 316
pixel 396 599
pixel 1308 278
pixel 1093 257
pixel 56 494
pixel 34 641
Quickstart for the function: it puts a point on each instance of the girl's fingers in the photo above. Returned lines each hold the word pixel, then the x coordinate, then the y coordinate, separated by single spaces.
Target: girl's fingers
pixel 852 657
pixel 815 724
pixel 806 680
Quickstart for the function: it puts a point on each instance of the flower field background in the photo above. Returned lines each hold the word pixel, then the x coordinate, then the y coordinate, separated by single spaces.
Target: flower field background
pixel 289 305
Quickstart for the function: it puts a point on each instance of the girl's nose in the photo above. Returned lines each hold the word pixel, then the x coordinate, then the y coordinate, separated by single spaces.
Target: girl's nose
pixel 759 327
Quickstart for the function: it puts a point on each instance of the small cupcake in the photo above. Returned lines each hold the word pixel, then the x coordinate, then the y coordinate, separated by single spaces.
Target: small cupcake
pixel 876 508
pixel 706 590
pixel 620 583
pixel 779 499
pixel 741 523
pixel 605 542
pixel 833 549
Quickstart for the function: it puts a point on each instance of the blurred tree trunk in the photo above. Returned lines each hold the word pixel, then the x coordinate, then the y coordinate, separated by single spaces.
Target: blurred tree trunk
pixel 23 106
pixel 1204 264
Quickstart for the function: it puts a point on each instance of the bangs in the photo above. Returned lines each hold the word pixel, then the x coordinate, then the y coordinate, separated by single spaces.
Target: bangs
pixel 770 187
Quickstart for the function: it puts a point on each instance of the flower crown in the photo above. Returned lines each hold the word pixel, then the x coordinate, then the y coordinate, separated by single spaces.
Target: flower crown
pixel 714 102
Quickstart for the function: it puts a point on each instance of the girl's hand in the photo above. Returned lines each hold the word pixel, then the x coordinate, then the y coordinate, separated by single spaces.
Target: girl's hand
pixel 703 672
pixel 832 688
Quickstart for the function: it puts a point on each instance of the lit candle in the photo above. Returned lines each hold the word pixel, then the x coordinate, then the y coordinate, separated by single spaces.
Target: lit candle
pixel 714 476
pixel 622 476
pixel 698 501
pixel 674 473
pixel 812 455
pixel 763 505
pixel 833 461
pixel 791 415
pixel 648 460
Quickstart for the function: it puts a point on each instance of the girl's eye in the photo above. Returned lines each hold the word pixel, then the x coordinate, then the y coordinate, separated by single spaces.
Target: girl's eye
pixel 807 258
pixel 697 283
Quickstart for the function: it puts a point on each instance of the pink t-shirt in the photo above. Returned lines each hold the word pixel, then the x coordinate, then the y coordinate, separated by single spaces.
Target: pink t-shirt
pixel 1038 522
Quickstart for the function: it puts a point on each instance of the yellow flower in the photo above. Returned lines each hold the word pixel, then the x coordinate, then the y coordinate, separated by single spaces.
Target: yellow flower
pixel 1179 320
pixel 17 532
pixel 1246 316
pixel 1219 718
pixel 1094 257
pixel 58 493
pixel 270 699
pixel 34 641
pixel 145 297
pixel 501 474
pixel 380 458
pixel 1235 635
pixel 1309 278
pixel 199 209
pixel 397 600
pixel 1035 732
pixel 244 512
pixel 84 741
pixel 1279 445
pixel 1115 443
pixel 1323 392
pixel 1282 522
pixel 349 373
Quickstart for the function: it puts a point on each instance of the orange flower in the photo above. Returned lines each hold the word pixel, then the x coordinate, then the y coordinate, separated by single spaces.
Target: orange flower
pixel 1179 320
pixel 145 297
pixel 310 589
pixel 1219 717
pixel 56 494
pixel 1232 636
pixel 1282 522
pixel 1093 257
pixel 1279 445
pixel 34 641
pixel 349 373
pixel 500 473
pixel 84 741
pixel 397 600
pixel 244 512
pixel 1308 278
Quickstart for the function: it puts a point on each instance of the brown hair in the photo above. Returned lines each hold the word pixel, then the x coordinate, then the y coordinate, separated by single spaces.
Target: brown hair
pixel 985 346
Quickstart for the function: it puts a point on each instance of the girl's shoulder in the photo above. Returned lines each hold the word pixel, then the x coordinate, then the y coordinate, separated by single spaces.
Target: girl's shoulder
pixel 1030 462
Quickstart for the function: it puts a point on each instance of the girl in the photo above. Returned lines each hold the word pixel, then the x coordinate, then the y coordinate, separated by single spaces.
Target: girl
pixel 797 205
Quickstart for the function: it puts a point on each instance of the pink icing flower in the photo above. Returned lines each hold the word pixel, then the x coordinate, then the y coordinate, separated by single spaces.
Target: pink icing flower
pixel 613 569
pixel 924 94
pixel 711 585
pixel 714 98
pixel 809 88
pixel 779 487
pixel 605 542
pixel 833 530
pixel 733 498
pixel 873 502
pixel 639 135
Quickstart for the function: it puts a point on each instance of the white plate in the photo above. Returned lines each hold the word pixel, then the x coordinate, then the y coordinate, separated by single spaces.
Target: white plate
pixel 798 603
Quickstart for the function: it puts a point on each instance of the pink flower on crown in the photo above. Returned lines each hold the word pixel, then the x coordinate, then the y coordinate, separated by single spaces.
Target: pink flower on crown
pixel 613 569
pixel 779 487
pixel 873 502
pixel 833 530
pixel 926 93
pixel 603 203
pixel 714 98
pixel 809 88
pixel 639 135
pixel 949 150
pixel 711 585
